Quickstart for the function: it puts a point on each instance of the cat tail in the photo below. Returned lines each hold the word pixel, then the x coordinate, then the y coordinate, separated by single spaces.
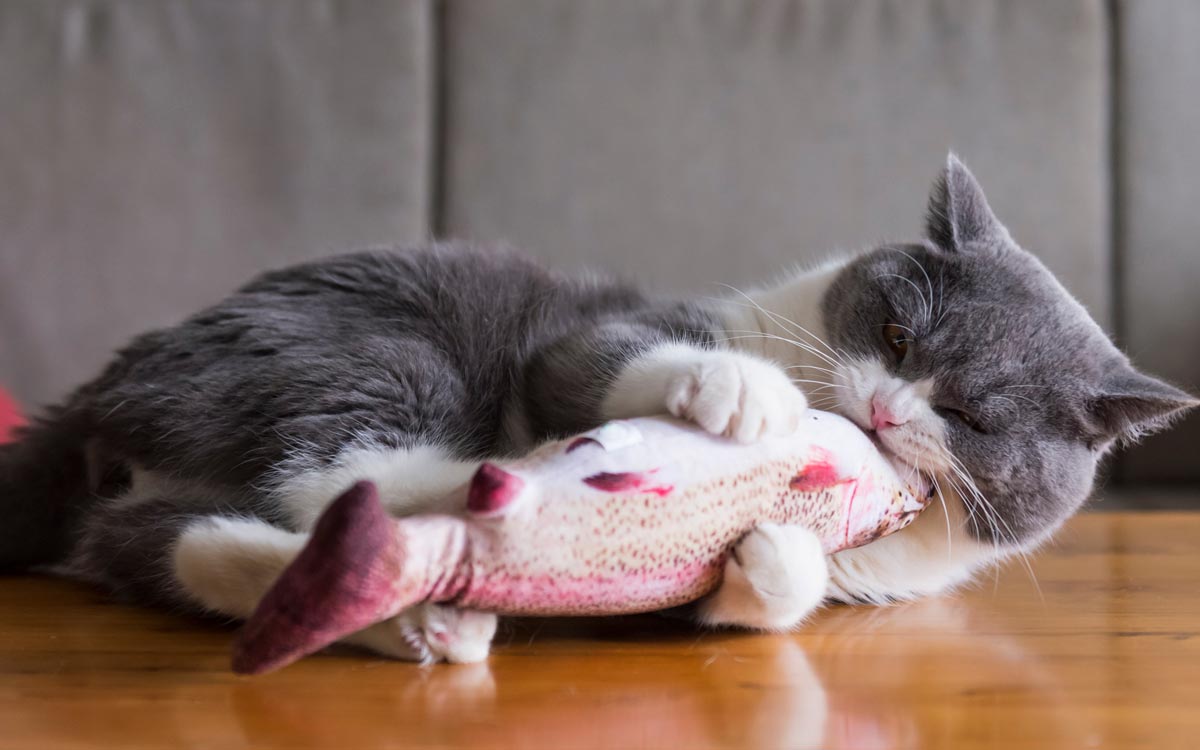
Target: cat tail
pixel 43 488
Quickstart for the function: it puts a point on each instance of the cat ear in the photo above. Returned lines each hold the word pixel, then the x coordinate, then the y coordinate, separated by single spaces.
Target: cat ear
pixel 959 216
pixel 1134 405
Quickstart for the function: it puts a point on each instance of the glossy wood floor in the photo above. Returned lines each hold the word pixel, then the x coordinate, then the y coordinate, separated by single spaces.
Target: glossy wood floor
pixel 1108 655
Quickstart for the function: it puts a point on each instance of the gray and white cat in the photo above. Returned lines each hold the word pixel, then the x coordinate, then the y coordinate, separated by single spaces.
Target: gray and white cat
pixel 189 471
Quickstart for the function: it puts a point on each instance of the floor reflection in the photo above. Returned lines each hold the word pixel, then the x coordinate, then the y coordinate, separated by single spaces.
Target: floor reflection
pixel 856 678
pixel 773 699
pixel 917 675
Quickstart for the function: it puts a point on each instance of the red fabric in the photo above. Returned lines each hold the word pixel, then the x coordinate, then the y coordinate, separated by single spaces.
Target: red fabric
pixel 10 417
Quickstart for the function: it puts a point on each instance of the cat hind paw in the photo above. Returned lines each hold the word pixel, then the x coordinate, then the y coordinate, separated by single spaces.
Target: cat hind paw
pixel 429 633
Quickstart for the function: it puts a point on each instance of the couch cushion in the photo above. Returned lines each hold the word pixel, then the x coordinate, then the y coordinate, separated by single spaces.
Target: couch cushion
pixel 688 142
pixel 1159 242
pixel 155 153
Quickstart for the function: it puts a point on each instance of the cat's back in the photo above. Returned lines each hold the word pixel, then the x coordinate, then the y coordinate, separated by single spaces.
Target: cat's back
pixel 341 306
pixel 409 289
pixel 425 280
pixel 415 338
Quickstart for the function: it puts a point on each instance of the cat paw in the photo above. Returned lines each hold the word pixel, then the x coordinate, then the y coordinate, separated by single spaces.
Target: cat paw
pixel 735 395
pixel 774 577
pixel 430 633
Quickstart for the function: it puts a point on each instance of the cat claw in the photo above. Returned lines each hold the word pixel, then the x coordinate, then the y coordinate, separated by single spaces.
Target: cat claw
pixel 430 633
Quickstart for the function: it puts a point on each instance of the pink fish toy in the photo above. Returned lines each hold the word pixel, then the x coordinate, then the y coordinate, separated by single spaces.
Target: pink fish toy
pixel 634 516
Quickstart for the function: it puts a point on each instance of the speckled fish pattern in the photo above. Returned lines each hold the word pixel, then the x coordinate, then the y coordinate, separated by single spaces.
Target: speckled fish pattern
pixel 634 516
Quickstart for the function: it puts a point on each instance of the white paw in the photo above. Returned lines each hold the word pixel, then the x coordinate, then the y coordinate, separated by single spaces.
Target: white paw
pixel 774 577
pixel 735 395
pixel 431 632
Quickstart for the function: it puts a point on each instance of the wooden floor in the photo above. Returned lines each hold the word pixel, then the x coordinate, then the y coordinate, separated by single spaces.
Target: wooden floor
pixel 1107 655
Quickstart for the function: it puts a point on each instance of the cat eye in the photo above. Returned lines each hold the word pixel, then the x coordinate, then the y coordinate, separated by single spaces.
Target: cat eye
pixel 966 418
pixel 897 339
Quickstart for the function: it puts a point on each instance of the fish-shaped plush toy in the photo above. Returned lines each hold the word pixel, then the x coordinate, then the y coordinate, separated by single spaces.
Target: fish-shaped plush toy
pixel 634 516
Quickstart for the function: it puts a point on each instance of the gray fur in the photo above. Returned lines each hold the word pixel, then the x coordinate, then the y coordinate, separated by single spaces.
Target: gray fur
pixel 388 349
pixel 1003 342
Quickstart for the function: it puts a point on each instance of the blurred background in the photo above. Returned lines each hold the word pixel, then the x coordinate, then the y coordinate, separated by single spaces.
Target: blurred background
pixel 154 154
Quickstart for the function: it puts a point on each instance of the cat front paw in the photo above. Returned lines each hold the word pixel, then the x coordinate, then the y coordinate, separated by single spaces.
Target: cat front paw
pixel 774 577
pixel 430 633
pixel 735 395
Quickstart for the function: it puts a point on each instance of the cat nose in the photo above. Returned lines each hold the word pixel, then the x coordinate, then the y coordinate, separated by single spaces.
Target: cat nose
pixel 882 415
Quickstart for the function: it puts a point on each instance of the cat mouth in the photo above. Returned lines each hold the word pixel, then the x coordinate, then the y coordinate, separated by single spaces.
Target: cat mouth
pixel 921 481
pixel 880 446
pixel 904 467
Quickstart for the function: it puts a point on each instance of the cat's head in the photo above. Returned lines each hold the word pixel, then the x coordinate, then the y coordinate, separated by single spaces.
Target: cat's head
pixel 967 358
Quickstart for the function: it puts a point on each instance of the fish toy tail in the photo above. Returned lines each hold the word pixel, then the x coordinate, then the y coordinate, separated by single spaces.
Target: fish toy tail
pixel 344 580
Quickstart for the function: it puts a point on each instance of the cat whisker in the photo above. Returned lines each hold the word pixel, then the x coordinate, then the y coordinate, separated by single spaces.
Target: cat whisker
pixel 823 399
pixel 945 509
pixel 773 337
pixel 821 392
pixel 776 337
pixel 946 514
pixel 986 504
pixel 824 405
pixel 786 322
pixel 993 516
pixel 833 372
pixel 997 522
pixel 1025 398
pixel 972 511
pixel 820 383
pixel 833 358
pixel 928 283
pixel 811 367
pixel 910 282
pixel 1008 391
pixel 967 488
pixel 783 321
pixel 956 485
pixel 941 295
pixel 885 325
pixel 819 396
pixel 967 484
pixel 1006 398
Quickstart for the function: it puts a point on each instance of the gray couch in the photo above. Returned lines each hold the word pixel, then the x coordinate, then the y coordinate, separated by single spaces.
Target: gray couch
pixel 155 153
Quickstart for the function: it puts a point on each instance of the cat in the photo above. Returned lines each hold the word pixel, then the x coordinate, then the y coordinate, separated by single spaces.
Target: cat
pixel 188 472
